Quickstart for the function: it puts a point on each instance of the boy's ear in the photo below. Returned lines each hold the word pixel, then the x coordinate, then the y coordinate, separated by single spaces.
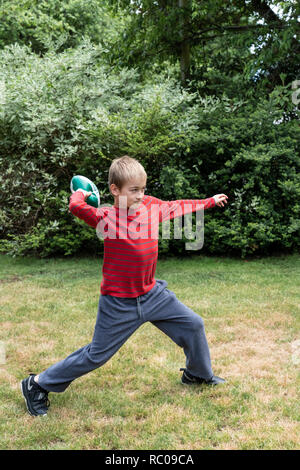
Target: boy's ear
pixel 114 190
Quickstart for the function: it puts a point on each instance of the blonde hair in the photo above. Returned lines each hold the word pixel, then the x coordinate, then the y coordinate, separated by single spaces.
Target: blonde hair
pixel 124 169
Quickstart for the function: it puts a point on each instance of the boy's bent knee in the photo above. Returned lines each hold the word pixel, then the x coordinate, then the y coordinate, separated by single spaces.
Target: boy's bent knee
pixel 198 323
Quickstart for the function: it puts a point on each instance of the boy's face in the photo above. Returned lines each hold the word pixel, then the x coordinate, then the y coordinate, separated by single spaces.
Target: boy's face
pixel 133 190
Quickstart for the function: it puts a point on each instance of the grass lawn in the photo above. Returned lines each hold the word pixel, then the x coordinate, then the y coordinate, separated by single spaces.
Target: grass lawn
pixel 136 401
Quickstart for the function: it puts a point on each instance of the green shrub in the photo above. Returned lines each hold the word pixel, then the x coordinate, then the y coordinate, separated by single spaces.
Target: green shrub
pixel 69 113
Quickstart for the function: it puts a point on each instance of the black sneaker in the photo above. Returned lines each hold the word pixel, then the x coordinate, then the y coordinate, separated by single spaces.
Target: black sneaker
pixel 189 379
pixel 36 398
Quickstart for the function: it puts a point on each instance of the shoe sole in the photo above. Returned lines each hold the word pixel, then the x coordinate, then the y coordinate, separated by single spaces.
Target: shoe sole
pixel 202 383
pixel 24 396
pixel 191 384
pixel 187 385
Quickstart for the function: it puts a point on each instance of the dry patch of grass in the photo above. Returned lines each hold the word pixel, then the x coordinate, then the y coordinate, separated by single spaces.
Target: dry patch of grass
pixel 254 351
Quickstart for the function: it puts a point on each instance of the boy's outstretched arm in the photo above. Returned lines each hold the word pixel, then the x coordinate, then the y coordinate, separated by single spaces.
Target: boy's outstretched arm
pixel 171 209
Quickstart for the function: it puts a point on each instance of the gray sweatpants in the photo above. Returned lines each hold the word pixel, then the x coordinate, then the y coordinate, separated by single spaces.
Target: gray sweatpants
pixel 118 318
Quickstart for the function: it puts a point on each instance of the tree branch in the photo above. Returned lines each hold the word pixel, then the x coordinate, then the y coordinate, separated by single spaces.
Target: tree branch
pixel 261 7
pixel 234 28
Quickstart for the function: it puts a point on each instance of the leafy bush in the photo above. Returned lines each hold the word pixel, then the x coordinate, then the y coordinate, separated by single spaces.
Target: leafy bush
pixel 69 113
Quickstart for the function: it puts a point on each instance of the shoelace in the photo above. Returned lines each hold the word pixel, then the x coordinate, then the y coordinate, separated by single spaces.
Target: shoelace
pixel 46 401
pixel 42 397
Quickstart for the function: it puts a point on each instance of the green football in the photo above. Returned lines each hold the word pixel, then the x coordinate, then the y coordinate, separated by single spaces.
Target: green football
pixel 81 182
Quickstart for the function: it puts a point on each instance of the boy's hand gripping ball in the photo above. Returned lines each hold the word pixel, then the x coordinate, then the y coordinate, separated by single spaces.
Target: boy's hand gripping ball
pixel 81 182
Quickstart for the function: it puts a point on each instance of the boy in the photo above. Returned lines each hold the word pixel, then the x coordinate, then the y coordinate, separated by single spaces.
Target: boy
pixel 130 294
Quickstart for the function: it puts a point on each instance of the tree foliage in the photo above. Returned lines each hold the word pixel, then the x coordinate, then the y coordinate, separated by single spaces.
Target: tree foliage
pixel 45 25
pixel 263 32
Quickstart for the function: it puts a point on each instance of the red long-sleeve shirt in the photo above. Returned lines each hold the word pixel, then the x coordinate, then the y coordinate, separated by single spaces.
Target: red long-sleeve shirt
pixel 131 239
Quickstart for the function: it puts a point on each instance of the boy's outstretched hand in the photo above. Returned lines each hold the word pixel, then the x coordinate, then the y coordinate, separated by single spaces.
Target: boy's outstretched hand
pixel 220 199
